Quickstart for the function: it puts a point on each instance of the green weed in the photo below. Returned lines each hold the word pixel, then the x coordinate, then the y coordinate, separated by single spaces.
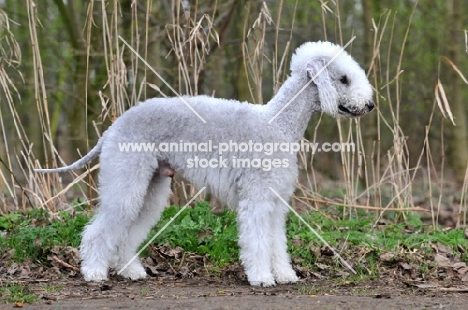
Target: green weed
pixel 199 230
pixel 13 292
pixel 308 289
pixel 53 288
pixel 31 235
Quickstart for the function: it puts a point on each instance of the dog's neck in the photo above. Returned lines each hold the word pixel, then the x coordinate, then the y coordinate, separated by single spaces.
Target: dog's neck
pixel 294 118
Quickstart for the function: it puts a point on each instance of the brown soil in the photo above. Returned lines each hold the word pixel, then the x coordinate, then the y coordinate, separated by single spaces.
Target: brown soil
pixel 182 280
pixel 207 292
pixel 190 286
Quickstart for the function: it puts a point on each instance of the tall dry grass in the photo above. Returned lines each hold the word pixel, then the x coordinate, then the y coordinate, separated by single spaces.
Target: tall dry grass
pixel 373 179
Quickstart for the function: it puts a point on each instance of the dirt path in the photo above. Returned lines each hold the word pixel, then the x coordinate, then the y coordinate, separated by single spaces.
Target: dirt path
pixel 194 284
pixel 262 302
pixel 215 293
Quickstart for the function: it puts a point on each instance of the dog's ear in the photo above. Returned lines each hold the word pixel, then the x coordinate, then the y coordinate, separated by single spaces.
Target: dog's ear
pixel 318 71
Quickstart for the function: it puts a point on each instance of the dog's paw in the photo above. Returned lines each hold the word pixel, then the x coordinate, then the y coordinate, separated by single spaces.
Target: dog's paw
pixel 263 283
pixel 134 272
pixel 287 276
pixel 94 275
pixel 266 282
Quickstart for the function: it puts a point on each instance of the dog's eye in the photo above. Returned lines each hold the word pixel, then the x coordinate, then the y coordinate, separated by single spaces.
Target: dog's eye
pixel 344 80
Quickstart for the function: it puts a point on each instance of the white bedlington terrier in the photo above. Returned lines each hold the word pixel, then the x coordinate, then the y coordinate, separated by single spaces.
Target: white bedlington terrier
pixel 239 153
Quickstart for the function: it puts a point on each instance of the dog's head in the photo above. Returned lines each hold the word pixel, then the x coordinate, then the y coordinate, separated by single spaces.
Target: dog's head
pixel 343 87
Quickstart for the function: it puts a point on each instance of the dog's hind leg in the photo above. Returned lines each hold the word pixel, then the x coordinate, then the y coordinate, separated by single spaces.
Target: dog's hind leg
pixel 123 189
pixel 281 261
pixel 155 201
pixel 254 240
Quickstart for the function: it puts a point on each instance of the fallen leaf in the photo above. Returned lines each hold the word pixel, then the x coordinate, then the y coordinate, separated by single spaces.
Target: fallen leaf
pixel 56 250
pixel 72 255
pixel 459 265
pixel 24 271
pixel 442 261
pixel 149 261
pixel 152 270
pixel 462 271
pixel 185 272
pixel 442 248
pixel 387 257
pixel 12 269
pixel 406 266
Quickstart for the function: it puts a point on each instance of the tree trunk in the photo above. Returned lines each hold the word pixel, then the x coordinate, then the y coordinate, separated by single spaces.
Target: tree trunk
pixel 241 85
pixel 458 144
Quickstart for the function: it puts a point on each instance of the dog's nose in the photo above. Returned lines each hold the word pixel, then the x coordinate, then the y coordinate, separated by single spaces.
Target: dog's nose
pixel 370 105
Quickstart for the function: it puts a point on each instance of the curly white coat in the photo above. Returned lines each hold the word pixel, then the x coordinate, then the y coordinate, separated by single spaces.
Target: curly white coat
pixel 133 193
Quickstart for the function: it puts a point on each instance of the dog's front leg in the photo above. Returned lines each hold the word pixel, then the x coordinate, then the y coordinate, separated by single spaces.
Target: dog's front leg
pixel 281 261
pixel 254 241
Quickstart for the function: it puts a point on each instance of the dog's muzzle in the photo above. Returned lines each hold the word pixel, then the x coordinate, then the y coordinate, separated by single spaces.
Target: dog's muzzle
pixel 343 110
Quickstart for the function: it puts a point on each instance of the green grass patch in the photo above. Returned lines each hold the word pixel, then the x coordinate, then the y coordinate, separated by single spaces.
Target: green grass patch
pixel 358 232
pixel 17 293
pixel 199 230
pixel 31 235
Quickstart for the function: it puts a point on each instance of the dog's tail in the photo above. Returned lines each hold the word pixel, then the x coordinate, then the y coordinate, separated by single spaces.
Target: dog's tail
pixel 95 151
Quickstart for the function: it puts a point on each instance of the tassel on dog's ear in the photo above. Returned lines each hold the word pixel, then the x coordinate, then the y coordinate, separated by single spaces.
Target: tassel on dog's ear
pixel 318 72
